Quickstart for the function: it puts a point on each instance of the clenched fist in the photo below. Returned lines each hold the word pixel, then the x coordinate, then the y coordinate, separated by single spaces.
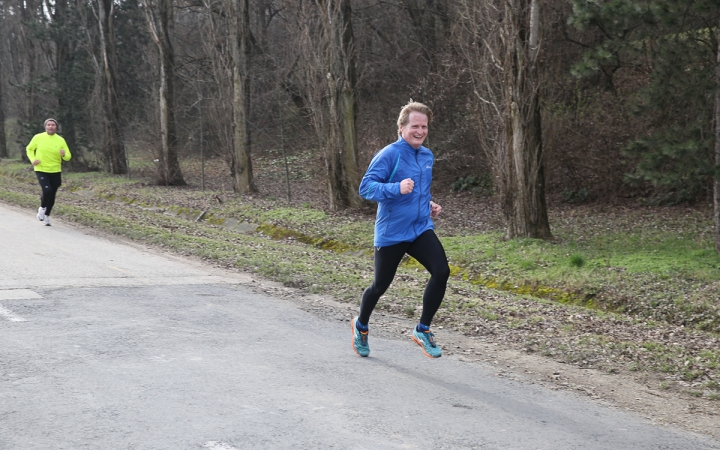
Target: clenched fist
pixel 406 186
pixel 435 209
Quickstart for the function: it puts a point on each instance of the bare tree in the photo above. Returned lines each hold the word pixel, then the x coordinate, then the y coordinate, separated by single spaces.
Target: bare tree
pixel 3 139
pixel 500 42
pixel 114 147
pixel 63 67
pixel 330 86
pixel 241 56
pixel 341 145
pixel 478 41
pixel 26 66
pixel 716 181
pixel 523 193
pixel 161 25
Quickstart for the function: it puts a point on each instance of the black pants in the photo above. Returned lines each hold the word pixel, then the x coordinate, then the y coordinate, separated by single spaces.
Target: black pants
pixel 429 252
pixel 49 183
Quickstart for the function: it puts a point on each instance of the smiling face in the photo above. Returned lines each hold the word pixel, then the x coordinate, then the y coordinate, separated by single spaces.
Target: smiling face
pixel 50 127
pixel 416 130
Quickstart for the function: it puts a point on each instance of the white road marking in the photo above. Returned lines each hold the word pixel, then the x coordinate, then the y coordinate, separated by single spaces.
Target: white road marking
pixel 18 294
pixel 215 445
pixel 11 316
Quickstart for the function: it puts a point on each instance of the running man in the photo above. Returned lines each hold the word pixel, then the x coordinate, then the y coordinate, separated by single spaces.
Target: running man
pixel 47 151
pixel 399 179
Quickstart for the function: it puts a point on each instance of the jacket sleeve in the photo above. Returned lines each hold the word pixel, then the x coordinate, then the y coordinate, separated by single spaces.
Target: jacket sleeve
pixel 378 184
pixel 30 149
pixel 68 155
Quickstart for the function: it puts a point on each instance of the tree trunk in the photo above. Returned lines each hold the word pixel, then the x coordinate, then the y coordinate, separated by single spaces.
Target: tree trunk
pixel 28 72
pixel 114 147
pixel 3 139
pixel 716 181
pixel 523 183
pixel 63 75
pixel 240 37
pixel 341 154
pixel 161 30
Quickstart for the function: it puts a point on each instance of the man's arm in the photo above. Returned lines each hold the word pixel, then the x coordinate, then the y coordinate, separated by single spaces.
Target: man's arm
pixel 377 184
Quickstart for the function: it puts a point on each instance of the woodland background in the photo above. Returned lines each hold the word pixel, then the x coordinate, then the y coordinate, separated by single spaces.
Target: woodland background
pixel 624 89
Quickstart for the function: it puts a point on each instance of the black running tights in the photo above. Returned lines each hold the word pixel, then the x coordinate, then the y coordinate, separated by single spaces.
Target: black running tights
pixel 429 252
pixel 49 183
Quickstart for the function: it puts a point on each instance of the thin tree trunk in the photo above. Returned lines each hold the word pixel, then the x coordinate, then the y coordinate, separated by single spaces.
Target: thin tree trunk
pixel 63 70
pixel 523 186
pixel 716 183
pixel 28 12
pixel 161 32
pixel 240 36
pixel 3 139
pixel 115 157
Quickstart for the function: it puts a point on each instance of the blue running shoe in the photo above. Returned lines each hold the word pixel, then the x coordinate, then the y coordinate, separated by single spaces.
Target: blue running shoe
pixel 426 340
pixel 360 340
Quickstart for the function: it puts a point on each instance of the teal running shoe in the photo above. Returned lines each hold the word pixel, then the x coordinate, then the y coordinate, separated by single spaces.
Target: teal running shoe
pixel 426 340
pixel 360 340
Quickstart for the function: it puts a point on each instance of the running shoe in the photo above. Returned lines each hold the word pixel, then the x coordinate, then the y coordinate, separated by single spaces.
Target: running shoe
pixel 41 214
pixel 360 340
pixel 426 340
pixel 47 221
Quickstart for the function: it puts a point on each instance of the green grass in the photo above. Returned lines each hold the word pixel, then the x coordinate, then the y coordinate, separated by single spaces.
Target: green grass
pixel 585 265
pixel 550 262
pixel 664 268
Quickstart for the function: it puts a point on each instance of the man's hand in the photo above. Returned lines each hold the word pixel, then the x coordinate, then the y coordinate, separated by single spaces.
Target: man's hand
pixel 62 153
pixel 435 209
pixel 406 186
pixel 36 162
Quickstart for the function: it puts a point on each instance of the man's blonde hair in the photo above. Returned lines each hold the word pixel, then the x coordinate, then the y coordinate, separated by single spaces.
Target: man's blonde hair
pixel 404 117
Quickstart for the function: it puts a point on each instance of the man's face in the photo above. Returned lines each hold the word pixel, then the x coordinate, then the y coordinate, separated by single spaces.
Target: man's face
pixel 416 130
pixel 50 128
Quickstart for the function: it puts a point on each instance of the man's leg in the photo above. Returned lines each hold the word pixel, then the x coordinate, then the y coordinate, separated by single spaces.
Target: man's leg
pixel 386 263
pixel 46 194
pixel 429 252
pixel 54 182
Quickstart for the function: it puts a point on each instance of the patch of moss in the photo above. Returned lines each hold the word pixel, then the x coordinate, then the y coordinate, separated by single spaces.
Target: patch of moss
pixel 539 291
pixel 213 220
pixel 279 233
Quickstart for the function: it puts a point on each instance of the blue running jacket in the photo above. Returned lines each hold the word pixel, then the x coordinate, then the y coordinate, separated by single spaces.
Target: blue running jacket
pixel 400 218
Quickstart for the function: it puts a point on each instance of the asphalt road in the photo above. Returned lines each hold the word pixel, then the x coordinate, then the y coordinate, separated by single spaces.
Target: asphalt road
pixel 105 345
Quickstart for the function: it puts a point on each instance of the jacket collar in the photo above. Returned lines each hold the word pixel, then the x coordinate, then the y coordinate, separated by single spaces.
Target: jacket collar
pixel 405 144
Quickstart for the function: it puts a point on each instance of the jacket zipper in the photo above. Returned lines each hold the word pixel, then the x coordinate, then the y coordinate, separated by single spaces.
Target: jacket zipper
pixel 417 162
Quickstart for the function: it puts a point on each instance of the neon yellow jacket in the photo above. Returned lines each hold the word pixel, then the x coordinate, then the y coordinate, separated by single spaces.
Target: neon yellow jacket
pixel 46 149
